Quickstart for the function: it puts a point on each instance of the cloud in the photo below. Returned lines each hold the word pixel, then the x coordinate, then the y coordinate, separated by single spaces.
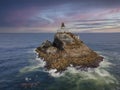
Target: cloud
pixel 93 25
pixel 80 15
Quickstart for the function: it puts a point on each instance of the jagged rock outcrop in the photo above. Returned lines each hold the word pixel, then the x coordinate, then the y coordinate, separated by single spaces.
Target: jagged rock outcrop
pixel 67 49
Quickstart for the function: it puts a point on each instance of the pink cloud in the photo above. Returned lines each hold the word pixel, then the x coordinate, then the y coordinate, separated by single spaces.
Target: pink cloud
pixel 106 13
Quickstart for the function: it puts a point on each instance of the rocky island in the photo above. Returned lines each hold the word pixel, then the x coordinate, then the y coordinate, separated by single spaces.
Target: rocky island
pixel 67 50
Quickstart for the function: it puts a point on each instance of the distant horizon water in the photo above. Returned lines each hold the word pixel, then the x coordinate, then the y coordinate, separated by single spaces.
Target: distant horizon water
pixel 54 32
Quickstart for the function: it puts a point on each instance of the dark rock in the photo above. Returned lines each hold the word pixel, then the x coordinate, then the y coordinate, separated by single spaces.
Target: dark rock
pixel 46 44
pixel 58 43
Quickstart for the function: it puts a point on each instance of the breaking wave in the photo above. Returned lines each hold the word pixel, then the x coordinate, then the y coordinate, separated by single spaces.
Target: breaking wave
pixel 94 79
pixel 38 65
pixel 100 75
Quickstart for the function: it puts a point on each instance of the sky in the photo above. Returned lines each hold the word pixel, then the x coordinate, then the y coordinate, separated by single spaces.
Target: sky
pixel 38 16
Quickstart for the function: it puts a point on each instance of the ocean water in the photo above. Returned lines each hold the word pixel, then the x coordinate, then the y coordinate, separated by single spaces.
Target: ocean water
pixel 21 69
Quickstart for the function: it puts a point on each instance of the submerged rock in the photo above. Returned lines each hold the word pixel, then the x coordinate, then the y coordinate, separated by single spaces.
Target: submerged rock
pixel 66 50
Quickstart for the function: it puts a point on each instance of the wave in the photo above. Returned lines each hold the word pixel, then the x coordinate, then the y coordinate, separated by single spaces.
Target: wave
pixel 37 66
pixel 100 75
pixel 94 79
pixel 53 73
pixel 100 71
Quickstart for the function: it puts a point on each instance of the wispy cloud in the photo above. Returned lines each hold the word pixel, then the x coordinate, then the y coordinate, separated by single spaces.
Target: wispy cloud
pixel 46 15
pixel 91 25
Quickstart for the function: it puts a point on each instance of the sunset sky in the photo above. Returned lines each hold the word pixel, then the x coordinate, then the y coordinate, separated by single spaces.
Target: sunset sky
pixel 87 16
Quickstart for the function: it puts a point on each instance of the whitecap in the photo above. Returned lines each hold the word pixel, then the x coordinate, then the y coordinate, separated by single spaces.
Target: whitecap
pixel 40 63
pixel 53 73
pixel 100 75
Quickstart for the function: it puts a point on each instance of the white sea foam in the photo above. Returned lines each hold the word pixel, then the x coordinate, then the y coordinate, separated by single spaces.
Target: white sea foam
pixel 27 79
pixel 100 74
pixel 34 51
pixel 53 73
pixel 31 51
pixel 39 64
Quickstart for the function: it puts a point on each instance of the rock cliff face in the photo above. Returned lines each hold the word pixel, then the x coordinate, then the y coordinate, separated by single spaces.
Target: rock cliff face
pixel 67 50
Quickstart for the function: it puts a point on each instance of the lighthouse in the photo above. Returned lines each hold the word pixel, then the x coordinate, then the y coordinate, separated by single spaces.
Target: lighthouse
pixel 62 25
pixel 63 28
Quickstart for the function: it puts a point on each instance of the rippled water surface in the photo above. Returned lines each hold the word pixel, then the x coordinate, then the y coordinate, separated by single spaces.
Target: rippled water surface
pixel 20 69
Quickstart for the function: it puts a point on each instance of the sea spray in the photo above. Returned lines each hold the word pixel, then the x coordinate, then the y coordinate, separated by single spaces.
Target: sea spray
pixel 37 66
pixel 53 73
pixel 89 74
pixel 93 78
pixel 100 75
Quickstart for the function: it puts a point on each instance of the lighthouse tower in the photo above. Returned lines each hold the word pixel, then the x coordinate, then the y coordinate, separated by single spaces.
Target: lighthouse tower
pixel 63 28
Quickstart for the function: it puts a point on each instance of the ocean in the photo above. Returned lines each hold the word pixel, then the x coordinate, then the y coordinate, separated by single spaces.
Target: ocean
pixel 21 69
